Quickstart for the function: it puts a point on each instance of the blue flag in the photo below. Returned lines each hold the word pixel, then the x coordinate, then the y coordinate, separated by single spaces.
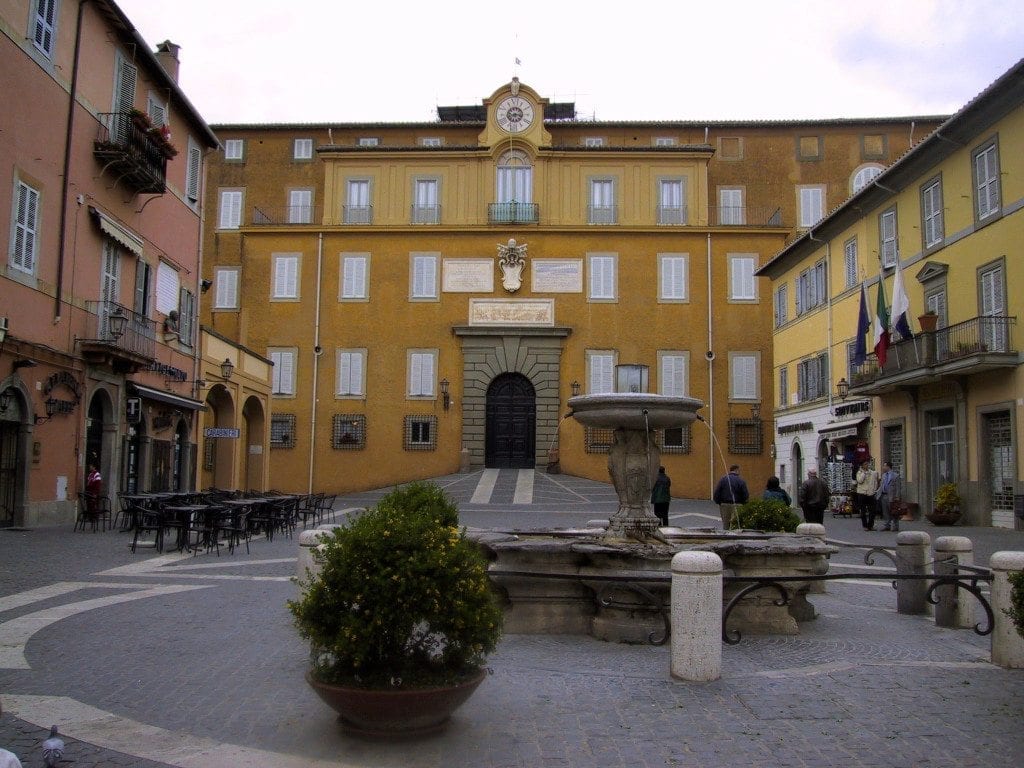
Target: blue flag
pixel 860 349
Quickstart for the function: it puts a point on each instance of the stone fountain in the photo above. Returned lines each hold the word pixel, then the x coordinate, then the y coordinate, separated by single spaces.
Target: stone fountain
pixel 610 582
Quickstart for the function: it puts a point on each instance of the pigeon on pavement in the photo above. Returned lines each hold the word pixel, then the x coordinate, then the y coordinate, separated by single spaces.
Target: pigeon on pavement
pixel 53 749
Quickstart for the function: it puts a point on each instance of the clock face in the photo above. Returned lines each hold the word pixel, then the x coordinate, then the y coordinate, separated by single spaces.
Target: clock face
pixel 514 114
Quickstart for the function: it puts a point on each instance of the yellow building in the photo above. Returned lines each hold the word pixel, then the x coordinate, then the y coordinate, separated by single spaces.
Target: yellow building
pixel 944 405
pixel 431 294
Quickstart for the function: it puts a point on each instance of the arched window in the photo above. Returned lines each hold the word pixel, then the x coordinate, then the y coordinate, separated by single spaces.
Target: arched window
pixel 515 178
pixel 863 176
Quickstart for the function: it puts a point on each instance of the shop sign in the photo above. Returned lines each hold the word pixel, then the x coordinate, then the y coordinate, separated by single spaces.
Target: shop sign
pixel 64 380
pixel 133 410
pixel 221 432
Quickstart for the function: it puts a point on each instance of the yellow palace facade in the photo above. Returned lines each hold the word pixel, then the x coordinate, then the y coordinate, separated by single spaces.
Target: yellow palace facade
pixel 431 294
pixel 945 404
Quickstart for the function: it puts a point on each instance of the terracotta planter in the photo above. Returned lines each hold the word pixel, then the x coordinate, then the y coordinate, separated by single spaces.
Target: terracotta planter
pixel 397 712
pixel 928 322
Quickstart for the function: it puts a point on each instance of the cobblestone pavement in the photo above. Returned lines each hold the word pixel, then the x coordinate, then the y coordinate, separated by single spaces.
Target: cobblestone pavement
pixel 147 660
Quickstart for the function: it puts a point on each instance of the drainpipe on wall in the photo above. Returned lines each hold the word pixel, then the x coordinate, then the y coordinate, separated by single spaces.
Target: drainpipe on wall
pixel 710 356
pixel 317 351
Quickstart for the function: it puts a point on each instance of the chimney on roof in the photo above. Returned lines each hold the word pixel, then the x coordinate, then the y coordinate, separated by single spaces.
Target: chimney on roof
pixel 167 55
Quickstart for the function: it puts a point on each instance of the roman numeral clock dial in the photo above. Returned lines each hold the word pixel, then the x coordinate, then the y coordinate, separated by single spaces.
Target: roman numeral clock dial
pixel 514 114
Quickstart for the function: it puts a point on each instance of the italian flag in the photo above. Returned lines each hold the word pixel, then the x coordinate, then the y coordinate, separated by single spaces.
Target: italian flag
pixel 881 325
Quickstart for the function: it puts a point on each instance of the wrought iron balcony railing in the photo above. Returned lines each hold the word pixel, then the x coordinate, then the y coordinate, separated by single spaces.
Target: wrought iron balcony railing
pixel 137 340
pixel 745 216
pixel 513 213
pixel 672 215
pixel 973 346
pixel 602 214
pixel 357 214
pixel 133 151
pixel 425 214
pixel 286 214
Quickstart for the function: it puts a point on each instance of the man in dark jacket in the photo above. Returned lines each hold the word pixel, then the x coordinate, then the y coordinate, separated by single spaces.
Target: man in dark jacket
pixel 814 497
pixel 730 492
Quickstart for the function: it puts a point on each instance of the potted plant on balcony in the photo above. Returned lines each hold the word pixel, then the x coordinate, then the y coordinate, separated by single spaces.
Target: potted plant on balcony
pixel 945 505
pixel 928 321
pixel 399 614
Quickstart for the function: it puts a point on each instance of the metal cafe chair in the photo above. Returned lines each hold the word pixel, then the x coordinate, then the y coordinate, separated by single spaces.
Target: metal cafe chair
pixel 147 521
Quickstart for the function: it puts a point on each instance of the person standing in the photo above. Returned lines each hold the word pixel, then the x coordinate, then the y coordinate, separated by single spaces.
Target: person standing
pixel 93 487
pixel 730 492
pixel 660 496
pixel 773 491
pixel 889 490
pixel 813 497
pixel 864 495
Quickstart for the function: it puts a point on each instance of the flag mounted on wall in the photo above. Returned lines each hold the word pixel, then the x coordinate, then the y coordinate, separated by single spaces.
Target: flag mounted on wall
pixel 900 305
pixel 881 324
pixel 860 349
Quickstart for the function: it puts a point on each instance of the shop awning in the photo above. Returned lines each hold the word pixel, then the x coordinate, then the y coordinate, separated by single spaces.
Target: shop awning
pixel 119 234
pixel 166 397
pixel 839 429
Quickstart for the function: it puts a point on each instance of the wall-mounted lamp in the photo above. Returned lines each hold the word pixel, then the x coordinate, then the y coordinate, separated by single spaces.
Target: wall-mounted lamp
pixel 226 369
pixel 204 285
pixel 117 321
pixel 445 399
pixel 5 399
pixel 51 408
pixel 842 388
pixel 575 388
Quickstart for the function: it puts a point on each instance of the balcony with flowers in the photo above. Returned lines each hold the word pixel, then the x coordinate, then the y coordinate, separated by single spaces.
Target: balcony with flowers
pixel 134 150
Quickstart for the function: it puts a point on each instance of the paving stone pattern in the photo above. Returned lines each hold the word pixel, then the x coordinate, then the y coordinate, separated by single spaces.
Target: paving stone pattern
pixel 220 662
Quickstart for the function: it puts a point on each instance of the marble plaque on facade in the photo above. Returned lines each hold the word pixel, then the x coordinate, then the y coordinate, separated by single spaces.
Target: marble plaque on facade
pixel 511 312
pixel 468 275
pixel 557 276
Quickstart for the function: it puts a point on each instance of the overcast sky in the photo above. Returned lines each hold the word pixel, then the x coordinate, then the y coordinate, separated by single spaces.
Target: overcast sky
pixel 397 60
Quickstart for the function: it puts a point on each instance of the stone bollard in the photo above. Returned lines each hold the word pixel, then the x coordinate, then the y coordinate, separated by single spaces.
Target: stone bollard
pixel 955 607
pixel 696 616
pixel 911 560
pixel 1007 643
pixel 817 530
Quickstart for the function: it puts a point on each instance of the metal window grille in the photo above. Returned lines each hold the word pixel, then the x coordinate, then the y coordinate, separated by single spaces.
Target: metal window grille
pixel 598 439
pixel 420 433
pixel 348 432
pixel 282 430
pixel 675 440
pixel 209 453
pixel 746 436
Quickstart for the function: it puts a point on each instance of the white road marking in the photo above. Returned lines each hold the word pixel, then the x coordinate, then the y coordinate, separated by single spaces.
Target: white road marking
pixel 524 487
pixel 484 489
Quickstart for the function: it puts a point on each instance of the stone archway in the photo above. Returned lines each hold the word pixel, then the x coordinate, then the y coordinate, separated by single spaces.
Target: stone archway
pixel 253 437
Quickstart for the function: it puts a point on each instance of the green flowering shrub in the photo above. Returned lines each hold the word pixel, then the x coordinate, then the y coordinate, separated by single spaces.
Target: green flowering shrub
pixel 766 515
pixel 402 597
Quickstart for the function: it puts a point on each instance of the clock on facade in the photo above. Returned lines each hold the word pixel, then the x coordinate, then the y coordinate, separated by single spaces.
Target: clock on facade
pixel 514 114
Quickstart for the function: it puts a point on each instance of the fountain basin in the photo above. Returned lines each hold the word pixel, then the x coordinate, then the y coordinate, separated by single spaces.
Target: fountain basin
pixel 577 581
pixel 633 410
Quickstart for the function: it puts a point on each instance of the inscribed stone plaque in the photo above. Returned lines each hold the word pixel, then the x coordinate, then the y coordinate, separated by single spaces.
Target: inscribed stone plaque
pixel 468 275
pixel 511 312
pixel 557 276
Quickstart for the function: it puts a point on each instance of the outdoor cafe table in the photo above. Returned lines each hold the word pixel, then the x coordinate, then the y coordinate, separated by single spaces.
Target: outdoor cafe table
pixel 183 513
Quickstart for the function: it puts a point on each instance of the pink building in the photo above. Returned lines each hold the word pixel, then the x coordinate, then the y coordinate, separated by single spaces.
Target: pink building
pixel 101 181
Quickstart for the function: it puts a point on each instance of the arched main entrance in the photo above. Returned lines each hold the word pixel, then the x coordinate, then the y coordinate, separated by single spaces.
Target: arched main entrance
pixel 511 422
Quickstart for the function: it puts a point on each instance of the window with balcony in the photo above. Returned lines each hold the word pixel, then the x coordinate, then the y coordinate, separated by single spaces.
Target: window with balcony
pixel 225 290
pixel 230 215
pixel 932 218
pixel 602 202
pixel 810 204
pixel 887 238
pixel 300 206
pixel 986 181
pixel 283 378
pixel 742 283
pixel 357 202
pixel 234 149
pixel 425 207
pixel 25 233
pixel 673 277
pixel 143 280
pixel 514 191
pixel 423 276
pixel 602 276
pixel 351 381
pixel 44 26
pixel 110 276
pixel 302 149
pixel 420 379
pixel 730 206
pixel 992 295
pixel 286 276
pixel 353 276
pixel 672 201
